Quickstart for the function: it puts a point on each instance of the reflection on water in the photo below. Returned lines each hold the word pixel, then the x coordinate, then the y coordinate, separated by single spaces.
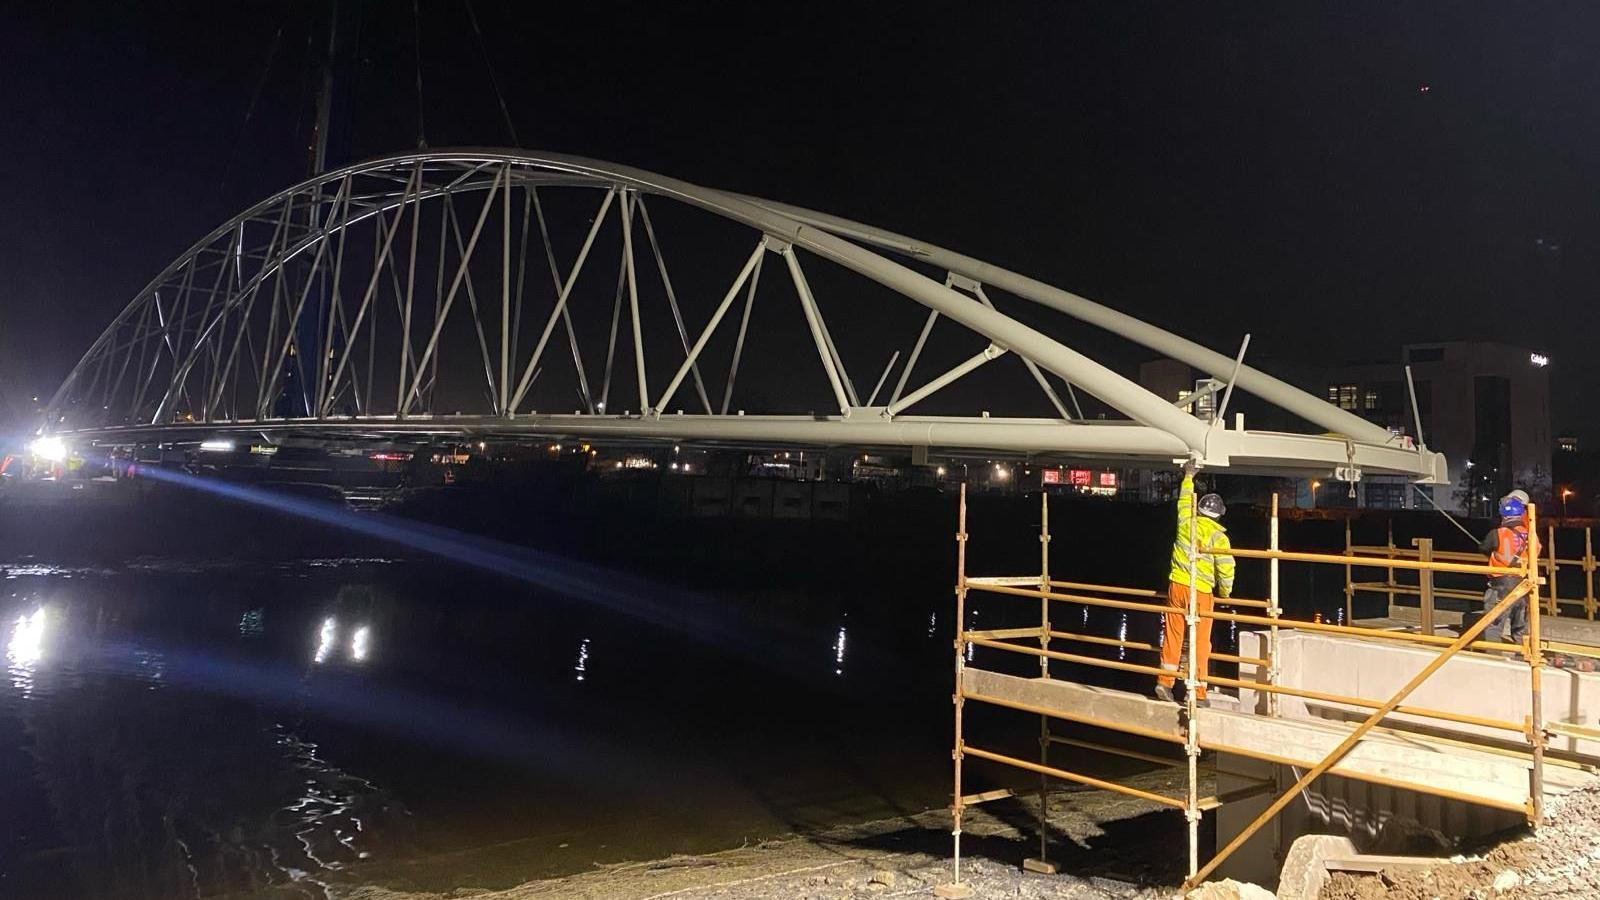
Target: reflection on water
pixel 275 731
pixel 150 666
pixel 329 645
pixel 253 623
pixel 27 640
pixel 25 649
pixel 21 570
pixel 326 817
pixel 327 637
pixel 581 667
pixel 361 643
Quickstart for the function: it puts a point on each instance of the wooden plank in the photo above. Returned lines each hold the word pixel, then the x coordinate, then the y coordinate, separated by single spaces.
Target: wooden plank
pixel 987 796
pixel 1373 863
pixel 1245 793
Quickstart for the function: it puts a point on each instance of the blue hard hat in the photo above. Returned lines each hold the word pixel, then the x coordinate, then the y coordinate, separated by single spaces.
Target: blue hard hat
pixel 1512 508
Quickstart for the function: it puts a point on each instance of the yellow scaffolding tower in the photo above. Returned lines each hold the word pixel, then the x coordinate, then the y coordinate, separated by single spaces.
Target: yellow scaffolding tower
pixel 1037 642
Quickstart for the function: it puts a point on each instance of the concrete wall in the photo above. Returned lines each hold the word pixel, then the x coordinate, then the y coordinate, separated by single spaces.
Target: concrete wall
pixel 1378 818
pixel 1471 683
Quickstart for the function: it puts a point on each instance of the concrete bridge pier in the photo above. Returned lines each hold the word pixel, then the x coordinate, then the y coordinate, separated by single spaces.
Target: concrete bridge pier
pixel 1420 786
pixel 1376 818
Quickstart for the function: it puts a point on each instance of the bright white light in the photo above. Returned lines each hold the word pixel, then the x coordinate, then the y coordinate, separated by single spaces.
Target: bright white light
pixel 838 652
pixel 50 449
pixel 27 641
pixel 326 639
pixel 1539 359
pixel 360 643
pixel 1001 474
pixel 217 445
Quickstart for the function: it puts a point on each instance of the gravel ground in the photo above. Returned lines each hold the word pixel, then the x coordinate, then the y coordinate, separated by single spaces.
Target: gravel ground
pixel 1563 861
pixel 1115 847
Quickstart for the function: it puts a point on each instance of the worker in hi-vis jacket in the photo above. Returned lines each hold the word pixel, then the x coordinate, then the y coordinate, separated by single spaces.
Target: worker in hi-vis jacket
pixel 1508 546
pixel 1212 565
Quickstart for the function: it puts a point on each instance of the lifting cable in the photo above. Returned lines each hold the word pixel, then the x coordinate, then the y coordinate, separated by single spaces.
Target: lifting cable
pixel 250 110
pixel 1429 497
pixel 416 28
pixel 493 81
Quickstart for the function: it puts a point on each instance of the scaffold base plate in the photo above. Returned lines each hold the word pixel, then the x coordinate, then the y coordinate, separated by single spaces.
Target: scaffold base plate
pixel 1042 866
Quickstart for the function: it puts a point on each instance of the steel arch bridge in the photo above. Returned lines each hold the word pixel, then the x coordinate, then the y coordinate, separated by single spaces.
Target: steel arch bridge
pixel 429 293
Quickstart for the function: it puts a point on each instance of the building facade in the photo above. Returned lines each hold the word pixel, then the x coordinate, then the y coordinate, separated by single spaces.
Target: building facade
pixel 1485 406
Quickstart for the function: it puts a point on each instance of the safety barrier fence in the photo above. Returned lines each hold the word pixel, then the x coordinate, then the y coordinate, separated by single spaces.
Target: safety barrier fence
pixel 1048 643
pixel 1551 565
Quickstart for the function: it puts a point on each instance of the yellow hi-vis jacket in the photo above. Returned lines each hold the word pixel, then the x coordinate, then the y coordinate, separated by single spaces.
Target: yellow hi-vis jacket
pixel 1213 565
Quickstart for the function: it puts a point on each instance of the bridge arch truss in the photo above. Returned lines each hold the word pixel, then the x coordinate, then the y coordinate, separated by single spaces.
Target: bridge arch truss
pixel 465 291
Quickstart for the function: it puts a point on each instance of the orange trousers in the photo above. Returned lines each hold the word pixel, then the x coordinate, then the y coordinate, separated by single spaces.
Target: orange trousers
pixel 1172 646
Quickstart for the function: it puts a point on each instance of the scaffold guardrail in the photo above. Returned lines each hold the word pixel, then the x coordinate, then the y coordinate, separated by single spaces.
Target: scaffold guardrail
pixel 1266 614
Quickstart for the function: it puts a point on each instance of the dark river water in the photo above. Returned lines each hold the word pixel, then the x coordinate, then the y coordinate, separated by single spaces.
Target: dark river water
pixel 173 730
pixel 267 726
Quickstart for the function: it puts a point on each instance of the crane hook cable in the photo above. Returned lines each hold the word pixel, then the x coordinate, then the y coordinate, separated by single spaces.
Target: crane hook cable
pixel 1458 525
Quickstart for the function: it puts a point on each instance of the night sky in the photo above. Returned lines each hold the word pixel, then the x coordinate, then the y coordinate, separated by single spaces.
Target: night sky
pixel 1338 178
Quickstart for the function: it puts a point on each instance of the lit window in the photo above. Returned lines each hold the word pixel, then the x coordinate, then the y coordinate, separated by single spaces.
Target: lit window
pixel 1345 396
pixel 1369 400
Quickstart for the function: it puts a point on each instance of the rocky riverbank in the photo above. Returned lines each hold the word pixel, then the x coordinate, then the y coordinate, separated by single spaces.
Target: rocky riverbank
pixel 1561 861
pixel 1115 849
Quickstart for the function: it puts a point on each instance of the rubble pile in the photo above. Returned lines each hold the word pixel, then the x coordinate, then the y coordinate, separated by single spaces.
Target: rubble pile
pixel 1562 861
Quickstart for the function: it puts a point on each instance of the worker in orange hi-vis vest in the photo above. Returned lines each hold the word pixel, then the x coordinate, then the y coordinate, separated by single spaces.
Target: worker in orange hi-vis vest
pixel 1508 546
pixel 1213 577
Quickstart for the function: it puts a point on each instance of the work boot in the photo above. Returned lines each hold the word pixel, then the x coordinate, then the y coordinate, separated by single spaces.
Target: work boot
pixel 1164 694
